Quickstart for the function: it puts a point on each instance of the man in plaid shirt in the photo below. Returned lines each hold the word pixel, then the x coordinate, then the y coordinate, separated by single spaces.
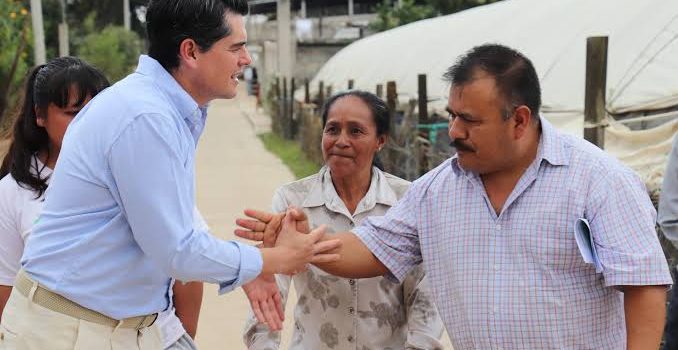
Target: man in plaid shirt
pixel 494 226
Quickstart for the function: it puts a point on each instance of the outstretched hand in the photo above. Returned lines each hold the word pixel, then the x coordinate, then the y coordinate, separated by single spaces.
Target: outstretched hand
pixel 264 227
pixel 265 300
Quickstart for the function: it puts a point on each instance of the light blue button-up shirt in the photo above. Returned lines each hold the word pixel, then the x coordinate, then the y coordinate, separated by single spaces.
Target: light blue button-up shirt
pixel 118 216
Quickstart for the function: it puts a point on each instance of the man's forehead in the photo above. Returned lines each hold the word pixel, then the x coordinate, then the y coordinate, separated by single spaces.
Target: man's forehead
pixel 479 87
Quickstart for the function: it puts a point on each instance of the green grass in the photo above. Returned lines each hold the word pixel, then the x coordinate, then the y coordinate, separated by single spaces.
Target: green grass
pixel 290 153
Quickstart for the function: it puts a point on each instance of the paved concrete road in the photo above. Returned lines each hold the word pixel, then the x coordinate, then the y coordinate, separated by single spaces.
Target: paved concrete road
pixel 234 172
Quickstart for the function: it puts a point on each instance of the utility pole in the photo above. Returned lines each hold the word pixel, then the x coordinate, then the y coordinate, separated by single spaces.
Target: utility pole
pixel 126 15
pixel 40 57
pixel 284 39
pixel 350 10
pixel 63 31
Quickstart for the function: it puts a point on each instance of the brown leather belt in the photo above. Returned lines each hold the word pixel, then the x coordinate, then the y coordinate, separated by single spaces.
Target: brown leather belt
pixel 58 303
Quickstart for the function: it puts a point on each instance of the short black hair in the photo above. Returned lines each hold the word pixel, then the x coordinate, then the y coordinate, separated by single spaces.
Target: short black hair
pixel 513 73
pixel 169 22
pixel 380 112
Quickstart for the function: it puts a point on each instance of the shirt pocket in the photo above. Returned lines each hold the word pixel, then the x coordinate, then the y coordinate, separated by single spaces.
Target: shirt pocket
pixel 550 253
pixel 8 339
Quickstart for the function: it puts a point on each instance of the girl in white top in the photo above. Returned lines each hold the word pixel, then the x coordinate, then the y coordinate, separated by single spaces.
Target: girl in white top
pixel 54 94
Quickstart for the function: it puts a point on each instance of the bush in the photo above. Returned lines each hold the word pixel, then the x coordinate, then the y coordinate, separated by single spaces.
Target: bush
pixel 15 36
pixel 114 50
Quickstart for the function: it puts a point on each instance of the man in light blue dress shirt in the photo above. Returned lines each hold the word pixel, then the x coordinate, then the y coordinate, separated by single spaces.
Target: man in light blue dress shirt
pixel 118 218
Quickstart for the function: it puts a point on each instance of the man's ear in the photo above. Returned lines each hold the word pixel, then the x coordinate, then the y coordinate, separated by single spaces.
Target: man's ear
pixel 522 119
pixel 188 52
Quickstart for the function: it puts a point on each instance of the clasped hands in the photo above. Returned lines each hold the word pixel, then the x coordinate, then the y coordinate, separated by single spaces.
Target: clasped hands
pixel 287 245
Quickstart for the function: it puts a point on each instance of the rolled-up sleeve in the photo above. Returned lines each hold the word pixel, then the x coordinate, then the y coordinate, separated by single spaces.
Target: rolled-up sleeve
pixel 393 238
pixel 622 220
pixel 155 191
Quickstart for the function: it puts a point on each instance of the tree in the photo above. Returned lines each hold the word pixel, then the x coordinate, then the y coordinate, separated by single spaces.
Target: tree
pixel 15 40
pixel 114 49
pixel 445 7
pixel 389 16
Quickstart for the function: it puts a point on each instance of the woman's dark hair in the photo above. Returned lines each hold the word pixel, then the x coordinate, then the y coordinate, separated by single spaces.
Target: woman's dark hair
pixel 169 22
pixel 48 83
pixel 381 114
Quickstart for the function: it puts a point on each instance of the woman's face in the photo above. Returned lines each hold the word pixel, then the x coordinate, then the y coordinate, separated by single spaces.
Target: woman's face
pixel 56 119
pixel 350 138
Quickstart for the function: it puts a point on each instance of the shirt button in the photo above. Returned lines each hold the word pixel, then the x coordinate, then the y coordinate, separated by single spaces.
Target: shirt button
pixel 350 339
pixel 497 267
pixel 498 227
pixel 351 281
pixel 351 310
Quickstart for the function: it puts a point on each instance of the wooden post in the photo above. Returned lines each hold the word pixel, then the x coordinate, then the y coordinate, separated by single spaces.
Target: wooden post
pixel 350 84
pixel 389 154
pixel 321 94
pixel 423 100
pixel 277 87
pixel 329 91
pixel 391 96
pixel 284 117
pixel 291 128
pixel 380 90
pixel 307 91
pixel 594 101
pixel 276 118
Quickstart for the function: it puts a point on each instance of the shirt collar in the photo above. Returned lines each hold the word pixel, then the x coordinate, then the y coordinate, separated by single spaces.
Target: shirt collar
pixel 323 192
pixel 193 114
pixel 551 148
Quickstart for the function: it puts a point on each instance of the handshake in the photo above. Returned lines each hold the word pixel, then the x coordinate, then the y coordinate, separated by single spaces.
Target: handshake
pixel 287 246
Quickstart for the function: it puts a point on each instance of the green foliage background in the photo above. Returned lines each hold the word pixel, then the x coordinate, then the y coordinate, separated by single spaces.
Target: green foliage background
pixel 15 55
pixel 390 15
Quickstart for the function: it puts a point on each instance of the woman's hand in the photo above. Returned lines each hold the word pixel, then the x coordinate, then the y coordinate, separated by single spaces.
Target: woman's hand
pixel 266 302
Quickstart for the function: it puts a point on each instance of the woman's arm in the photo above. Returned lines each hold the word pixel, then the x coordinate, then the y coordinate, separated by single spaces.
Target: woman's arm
pixel 187 301
pixel 5 291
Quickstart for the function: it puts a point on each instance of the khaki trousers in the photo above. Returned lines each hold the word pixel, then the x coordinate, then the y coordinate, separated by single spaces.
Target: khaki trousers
pixel 29 326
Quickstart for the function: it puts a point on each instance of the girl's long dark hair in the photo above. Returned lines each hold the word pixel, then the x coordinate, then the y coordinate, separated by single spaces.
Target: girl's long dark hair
pixel 48 83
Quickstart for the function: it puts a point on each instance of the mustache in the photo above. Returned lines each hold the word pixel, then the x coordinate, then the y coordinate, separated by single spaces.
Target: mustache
pixel 461 146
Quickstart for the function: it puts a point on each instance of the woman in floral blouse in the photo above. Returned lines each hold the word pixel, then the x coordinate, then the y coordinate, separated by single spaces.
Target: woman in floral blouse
pixel 338 313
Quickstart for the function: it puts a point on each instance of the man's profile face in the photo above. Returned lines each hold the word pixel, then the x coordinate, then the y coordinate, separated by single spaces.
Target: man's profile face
pixel 220 66
pixel 477 128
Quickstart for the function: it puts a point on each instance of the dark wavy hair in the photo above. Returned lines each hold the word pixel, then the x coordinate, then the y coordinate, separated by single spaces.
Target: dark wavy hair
pixel 46 84
pixel 513 72
pixel 381 114
pixel 169 22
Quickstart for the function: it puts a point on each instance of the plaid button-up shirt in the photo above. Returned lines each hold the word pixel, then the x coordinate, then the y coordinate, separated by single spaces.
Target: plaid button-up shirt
pixel 517 280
